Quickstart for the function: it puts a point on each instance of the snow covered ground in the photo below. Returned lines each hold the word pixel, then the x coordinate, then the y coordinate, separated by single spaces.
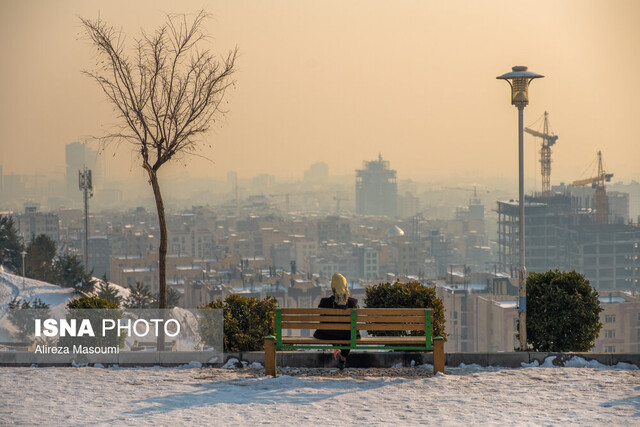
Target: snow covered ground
pixel 579 395
pixel 12 286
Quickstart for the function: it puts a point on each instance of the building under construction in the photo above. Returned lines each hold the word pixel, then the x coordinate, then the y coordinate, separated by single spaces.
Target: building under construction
pixel 376 189
pixel 558 236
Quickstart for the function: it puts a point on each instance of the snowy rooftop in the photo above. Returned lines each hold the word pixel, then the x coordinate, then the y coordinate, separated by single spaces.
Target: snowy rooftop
pixel 507 304
pixel 470 286
pixel 611 300
pixel 137 270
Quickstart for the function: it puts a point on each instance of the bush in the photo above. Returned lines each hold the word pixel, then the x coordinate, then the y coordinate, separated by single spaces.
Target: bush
pixel 23 313
pixel 91 303
pixel 95 309
pixel 106 290
pixel 139 297
pixel 246 322
pixel 407 295
pixel 562 312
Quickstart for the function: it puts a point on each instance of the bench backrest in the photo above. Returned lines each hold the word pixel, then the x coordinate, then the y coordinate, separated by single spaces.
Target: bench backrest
pixel 399 320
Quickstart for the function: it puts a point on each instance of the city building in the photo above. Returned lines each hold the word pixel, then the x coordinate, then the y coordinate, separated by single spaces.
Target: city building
pixel 334 228
pixel 33 223
pixel 607 254
pixel 99 256
pixel 376 189
pixel 620 320
pixel 317 173
pixel 192 241
pixel 557 236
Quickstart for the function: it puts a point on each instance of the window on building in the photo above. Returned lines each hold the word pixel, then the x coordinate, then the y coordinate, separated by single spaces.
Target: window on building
pixel 610 333
pixel 609 348
pixel 610 318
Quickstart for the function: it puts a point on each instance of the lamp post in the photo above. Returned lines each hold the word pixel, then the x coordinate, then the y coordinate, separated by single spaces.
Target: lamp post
pixel 519 79
pixel 23 253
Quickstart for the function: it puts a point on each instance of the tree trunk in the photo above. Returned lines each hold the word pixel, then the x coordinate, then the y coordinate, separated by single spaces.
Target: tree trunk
pixel 162 252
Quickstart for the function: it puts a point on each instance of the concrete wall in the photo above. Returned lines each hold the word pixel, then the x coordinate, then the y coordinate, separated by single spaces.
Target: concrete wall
pixel 311 359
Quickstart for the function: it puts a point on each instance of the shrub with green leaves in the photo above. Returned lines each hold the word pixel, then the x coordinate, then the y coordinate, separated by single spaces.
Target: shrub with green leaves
pixel 106 290
pixel 407 295
pixel 23 313
pixel 246 321
pixel 562 312
pixel 95 309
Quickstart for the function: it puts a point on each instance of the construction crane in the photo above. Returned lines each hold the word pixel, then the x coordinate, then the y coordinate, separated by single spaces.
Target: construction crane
pixel 338 199
pixel 548 140
pixel 597 182
pixel 472 200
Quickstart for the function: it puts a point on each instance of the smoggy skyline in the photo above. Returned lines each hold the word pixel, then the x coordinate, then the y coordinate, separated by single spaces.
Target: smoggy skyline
pixel 340 82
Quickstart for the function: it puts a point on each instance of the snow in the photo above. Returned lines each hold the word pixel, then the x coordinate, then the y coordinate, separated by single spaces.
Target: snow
pixel 235 363
pixel 57 297
pixel 581 392
pixel 11 286
pixel 578 362
pixel 191 395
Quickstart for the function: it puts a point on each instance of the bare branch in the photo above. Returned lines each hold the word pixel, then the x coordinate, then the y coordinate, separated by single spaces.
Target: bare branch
pixel 165 97
pixel 169 93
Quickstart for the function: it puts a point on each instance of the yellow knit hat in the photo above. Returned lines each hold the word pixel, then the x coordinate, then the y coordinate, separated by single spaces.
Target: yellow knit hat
pixel 339 288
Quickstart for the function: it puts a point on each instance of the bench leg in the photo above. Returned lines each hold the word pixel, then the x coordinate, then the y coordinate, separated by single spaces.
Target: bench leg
pixel 438 355
pixel 270 355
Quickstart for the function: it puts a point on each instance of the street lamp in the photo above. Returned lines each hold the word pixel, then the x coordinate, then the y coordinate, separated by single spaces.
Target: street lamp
pixel 23 253
pixel 519 79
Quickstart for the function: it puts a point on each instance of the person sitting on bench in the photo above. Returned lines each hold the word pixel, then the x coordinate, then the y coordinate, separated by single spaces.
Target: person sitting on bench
pixel 339 299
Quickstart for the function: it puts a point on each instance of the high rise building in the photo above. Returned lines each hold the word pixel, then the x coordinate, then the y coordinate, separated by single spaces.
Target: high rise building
pixel 77 156
pixel 376 189
pixel 557 236
pixel 318 173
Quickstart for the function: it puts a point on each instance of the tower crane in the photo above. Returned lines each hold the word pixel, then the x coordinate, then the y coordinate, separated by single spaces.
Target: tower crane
pixel 338 199
pixel 548 140
pixel 597 182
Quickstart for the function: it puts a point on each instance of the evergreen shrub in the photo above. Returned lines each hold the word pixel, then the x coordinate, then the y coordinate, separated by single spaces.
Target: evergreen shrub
pixel 562 312
pixel 23 313
pixel 407 295
pixel 95 309
pixel 246 322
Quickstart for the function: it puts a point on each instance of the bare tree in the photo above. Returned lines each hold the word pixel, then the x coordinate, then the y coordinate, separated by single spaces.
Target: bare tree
pixel 166 95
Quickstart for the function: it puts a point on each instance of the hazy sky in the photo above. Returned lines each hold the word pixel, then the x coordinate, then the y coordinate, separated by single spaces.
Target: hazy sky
pixel 341 81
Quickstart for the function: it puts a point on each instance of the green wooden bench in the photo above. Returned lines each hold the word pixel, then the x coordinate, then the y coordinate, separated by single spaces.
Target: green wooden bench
pixel 354 320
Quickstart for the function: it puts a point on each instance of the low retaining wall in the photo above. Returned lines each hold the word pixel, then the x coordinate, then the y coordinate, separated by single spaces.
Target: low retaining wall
pixel 382 359
pixel 310 359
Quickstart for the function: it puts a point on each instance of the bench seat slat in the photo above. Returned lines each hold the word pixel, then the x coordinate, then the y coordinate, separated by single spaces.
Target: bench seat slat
pixel 411 340
pixel 392 340
pixel 316 318
pixel 324 326
pixel 390 319
pixel 390 327
pixel 338 311
pixel 311 340
pixel 392 311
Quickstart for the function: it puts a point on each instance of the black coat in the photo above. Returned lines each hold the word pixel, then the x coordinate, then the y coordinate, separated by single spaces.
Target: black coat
pixel 327 334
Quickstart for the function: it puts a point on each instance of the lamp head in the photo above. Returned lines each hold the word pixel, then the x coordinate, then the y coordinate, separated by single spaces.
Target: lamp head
pixel 519 79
